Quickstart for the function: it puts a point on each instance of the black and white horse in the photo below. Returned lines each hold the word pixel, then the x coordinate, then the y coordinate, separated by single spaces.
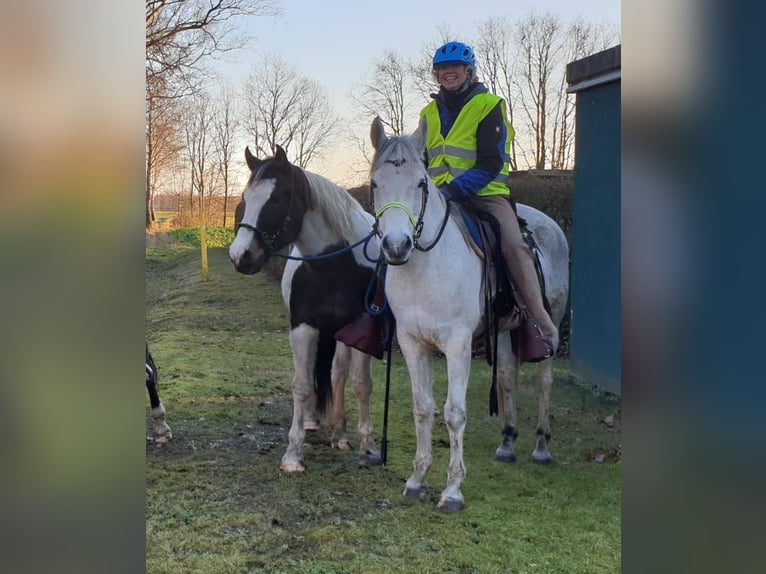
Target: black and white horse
pixel 160 427
pixel 286 205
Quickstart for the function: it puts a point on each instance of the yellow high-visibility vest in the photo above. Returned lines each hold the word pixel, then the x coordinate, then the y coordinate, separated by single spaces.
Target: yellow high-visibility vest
pixel 451 156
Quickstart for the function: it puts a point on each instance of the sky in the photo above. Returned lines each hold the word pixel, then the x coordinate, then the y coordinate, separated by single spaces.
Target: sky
pixel 336 42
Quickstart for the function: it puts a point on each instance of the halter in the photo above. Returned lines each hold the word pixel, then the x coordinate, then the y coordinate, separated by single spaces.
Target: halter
pixel 269 240
pixel 417 225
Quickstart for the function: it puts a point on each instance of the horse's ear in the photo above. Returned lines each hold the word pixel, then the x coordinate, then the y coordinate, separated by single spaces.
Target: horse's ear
pixel 418 137
pixel 252 161
pixel 377 133
pixel 280 157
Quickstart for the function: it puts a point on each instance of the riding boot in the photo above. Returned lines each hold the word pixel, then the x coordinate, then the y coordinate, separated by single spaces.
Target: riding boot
pixel 521 263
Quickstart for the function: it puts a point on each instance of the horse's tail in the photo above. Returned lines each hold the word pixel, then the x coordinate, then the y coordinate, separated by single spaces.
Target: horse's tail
pixel 323 370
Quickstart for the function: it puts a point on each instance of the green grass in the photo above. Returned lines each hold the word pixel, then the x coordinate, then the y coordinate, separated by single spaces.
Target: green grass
pixel 216 235
pixel 216 501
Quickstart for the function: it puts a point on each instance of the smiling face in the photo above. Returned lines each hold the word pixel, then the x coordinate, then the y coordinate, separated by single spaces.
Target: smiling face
pixel 451 76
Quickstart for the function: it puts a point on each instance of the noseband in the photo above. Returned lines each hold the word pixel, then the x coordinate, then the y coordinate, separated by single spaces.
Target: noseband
pixel 269 240
pixel 417 225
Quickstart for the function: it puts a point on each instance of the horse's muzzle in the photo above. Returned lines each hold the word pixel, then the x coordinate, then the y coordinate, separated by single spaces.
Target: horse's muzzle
pixel 249 263
pixel 396 252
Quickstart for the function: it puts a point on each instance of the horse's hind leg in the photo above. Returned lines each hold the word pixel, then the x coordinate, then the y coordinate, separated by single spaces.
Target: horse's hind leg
pixel 340 369
pixel 303 340
pixel 544 379
pixel 160 428
pixel 507 384
pixel 362 377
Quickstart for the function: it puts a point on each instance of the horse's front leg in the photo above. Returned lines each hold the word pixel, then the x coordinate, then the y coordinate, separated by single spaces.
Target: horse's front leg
pixel 507 384
pixel 340 369
pixel 311 420
pixel 458 353
pixel 303 340
pixel 362 377
pixel 418 362
pixel 544 379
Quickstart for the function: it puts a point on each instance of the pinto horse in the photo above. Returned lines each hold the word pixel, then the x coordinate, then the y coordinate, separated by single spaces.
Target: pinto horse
pixel 323 286
pixel 435 287
pixel 160 427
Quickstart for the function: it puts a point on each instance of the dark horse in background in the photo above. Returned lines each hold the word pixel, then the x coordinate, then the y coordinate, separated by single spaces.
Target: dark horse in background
pixel 160 427
pixel 284 205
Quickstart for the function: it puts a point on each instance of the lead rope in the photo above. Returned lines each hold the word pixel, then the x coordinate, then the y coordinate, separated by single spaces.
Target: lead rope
pixel 384 440
pixel 390 323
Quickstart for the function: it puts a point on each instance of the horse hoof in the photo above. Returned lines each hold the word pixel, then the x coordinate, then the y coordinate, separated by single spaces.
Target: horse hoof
pixel 343 444
pixel 370 459
pixel 291 467
pixel 163 438
pixel 451 505
pixel 311 425
pixel 541 458
pixel 501 456
pixel 414 492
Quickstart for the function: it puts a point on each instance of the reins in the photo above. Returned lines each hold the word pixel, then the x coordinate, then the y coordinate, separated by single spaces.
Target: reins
pixel 273 252
pixel 379 279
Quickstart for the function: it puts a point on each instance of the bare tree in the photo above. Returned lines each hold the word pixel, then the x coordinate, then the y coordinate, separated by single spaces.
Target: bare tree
pixel 496 67
pixel 224 127
pixel 180 36
pixel 539 42
pixel 396 91
pixel 581 39
pixel 283 108
pixel 386 93
pixel 162 145
pixel 200 153
pixel 315 126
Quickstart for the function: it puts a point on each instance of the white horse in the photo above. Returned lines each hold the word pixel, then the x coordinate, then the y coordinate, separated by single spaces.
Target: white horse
pixel 435 288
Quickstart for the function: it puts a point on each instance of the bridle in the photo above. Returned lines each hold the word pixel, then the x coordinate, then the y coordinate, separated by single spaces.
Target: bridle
pixel 269 240
pixel 417 224
pixel 272 242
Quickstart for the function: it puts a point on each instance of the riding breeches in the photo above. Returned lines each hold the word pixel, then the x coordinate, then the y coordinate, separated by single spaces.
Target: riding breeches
pixel 519 259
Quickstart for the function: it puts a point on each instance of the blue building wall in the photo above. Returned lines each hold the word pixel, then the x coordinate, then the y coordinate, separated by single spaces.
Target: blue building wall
pixel 595 340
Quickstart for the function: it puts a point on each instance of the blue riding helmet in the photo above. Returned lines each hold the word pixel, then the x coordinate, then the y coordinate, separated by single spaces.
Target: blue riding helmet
pixel 454 53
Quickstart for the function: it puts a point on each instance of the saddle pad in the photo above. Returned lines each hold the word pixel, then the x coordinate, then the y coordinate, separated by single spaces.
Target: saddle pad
pixel 469 227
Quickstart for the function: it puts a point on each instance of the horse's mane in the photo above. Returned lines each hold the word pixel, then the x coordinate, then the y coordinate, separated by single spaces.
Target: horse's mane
pixel 334 203
pixel 396 150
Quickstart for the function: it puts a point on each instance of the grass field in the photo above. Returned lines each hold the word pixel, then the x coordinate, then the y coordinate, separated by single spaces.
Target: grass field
pixel 216 501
